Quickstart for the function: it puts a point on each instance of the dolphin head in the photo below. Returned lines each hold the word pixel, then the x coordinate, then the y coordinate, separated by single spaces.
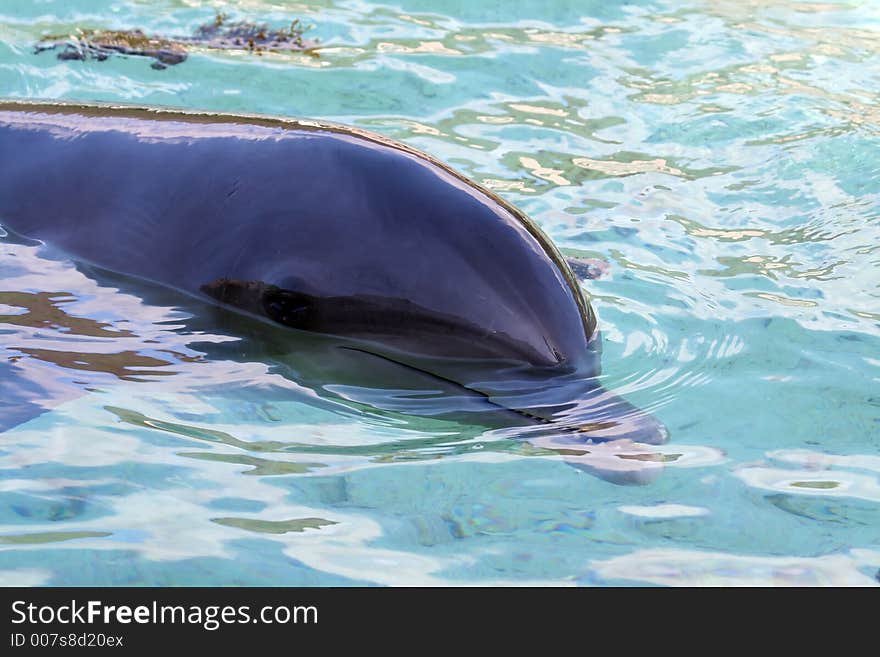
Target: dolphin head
pixel 421 262
pixel 327 230
pixel 413 262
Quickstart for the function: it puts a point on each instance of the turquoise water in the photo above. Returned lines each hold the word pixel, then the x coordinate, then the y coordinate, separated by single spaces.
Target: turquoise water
pixel 723 160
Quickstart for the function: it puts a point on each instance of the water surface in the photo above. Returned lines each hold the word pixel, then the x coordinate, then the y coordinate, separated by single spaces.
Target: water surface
pixel 723 159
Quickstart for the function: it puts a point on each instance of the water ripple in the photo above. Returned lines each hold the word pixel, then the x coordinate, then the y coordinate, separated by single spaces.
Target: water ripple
pixel 716 161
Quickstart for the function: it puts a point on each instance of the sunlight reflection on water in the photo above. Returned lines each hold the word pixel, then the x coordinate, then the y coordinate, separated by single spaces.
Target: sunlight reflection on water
pixel 720 158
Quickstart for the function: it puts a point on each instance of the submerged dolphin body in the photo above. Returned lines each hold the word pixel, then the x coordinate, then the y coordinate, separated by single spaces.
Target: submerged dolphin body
pixel 323 229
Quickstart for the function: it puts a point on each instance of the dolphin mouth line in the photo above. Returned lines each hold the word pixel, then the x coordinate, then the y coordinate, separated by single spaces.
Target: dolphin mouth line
pixel 587 428
pixel 518 411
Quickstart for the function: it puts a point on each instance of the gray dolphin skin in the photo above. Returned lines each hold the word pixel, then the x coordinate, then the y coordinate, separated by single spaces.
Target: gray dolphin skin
pixel 324 229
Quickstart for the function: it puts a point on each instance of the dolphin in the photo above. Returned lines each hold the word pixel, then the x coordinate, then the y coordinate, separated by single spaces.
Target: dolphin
pixel 326 230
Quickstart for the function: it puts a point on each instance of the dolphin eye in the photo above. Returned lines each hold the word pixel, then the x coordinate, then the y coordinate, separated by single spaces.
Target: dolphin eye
pixel 292 309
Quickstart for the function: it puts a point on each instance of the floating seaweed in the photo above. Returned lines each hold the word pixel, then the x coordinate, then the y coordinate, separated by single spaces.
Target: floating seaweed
pixel 219 34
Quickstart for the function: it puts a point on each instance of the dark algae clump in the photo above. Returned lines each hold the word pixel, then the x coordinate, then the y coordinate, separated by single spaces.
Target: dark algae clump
pixel 219 34
pixel 100 44
pixel 243 35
